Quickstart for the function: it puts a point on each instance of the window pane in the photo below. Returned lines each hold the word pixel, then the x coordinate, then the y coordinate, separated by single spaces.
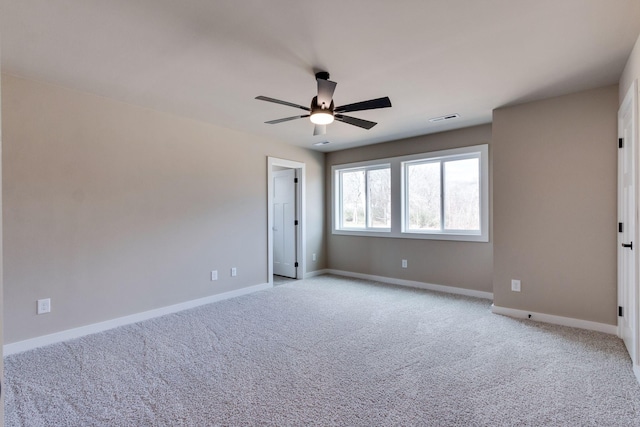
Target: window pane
pixel 462 194
pixel 379 186
pixel 423 196
pixel 353 199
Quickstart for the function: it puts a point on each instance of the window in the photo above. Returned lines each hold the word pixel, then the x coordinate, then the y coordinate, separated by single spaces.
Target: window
pixel 365 198
pixel 440 195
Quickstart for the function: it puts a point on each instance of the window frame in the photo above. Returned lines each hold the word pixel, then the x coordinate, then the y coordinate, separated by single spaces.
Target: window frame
pixel 399 197
pixel 441 161
pixel 338 212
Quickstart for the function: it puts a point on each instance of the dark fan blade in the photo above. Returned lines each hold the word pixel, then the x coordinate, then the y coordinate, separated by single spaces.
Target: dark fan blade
pixel 325 92
pixel 356 122
pixel 286 119
pixel 371 104
pixel 319 130
pixel 277 101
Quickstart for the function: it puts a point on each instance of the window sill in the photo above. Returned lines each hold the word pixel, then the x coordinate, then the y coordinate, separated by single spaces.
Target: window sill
pixel 424 236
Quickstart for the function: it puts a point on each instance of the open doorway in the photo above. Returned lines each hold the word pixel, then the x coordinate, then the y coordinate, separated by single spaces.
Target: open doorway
pixel 285 220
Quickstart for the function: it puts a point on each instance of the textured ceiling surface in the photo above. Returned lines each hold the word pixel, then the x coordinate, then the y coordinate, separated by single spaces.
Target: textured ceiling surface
pixel 208 60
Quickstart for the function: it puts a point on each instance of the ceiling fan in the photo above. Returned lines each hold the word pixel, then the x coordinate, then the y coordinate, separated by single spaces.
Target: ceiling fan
pixel 322 110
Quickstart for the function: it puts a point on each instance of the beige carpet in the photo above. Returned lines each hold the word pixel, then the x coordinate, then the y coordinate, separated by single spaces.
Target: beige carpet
pixel 328 351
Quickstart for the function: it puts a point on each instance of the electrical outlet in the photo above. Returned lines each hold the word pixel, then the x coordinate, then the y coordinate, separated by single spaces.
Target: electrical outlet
pixel 313 257
pixel 404 263
pixel 234 272
pixel 214 275
pixel 515 285
pixel 44 306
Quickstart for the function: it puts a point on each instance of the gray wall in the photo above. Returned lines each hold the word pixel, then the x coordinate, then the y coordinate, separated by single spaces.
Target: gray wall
pixel 554 205
pixel 461 264
pixel 112 209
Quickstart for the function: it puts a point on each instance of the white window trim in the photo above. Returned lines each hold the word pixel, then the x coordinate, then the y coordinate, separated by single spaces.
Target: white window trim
pixel 398 197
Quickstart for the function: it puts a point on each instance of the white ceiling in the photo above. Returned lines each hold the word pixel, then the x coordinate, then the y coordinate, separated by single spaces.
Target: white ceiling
pixel 207 60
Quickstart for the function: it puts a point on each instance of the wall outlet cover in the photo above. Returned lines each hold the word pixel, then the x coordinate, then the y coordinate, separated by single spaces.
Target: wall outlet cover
pixel 44 306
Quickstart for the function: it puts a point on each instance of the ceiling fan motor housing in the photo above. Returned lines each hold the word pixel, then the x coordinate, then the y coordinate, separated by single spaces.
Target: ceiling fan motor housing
pixel 322 75
pixel 315 108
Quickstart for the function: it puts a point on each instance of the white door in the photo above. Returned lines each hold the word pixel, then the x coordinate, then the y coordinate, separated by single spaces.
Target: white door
pixel 627 244
pixel 284 223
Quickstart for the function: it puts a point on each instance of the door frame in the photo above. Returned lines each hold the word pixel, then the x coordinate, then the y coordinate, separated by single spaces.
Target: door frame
pixel 300 214
pixel 631 102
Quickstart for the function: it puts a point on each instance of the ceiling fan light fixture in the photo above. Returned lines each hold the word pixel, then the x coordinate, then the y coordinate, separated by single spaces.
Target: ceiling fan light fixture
pixel 321 117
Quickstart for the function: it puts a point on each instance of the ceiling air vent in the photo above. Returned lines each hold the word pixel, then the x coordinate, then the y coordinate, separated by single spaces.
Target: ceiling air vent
pixel 443 118
pixel 321 143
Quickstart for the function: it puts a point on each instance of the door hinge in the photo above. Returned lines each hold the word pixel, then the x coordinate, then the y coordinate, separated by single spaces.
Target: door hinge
pixel 295 222
pixel 295 265
pixel 620 312
pixel 620 142
pixel 295 180
pixel 620 229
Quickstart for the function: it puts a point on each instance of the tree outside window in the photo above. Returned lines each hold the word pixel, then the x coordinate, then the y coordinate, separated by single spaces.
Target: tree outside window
pixel 443 195
pixel 365 198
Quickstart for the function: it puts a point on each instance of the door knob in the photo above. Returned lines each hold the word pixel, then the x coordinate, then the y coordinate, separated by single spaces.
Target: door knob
pixel 628 245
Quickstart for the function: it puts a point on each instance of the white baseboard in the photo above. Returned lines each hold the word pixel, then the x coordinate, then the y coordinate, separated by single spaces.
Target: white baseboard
pixel 556 320
pixel 315 273
pixel 414 284
pixel 29 344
